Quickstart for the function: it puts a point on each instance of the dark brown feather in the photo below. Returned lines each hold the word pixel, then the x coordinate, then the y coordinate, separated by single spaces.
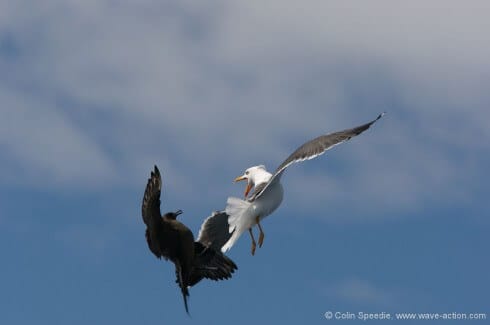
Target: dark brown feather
pixel 171 239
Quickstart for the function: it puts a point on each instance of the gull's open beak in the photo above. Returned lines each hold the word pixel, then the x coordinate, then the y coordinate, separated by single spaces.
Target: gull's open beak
pixel 247 189
pixel 239 178
pixel 249 185
pixel 178 212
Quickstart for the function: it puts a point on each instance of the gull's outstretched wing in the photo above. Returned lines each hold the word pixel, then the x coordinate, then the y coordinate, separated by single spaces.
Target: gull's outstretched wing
pixel 315 148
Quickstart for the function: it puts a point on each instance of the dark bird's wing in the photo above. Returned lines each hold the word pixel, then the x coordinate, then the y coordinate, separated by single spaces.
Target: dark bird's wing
pixel 150 210
pixel 315 148
pixel 210 263
pixel 214 232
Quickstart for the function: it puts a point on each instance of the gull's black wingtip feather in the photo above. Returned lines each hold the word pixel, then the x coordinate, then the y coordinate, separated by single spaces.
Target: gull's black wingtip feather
pixel 380 116
pixel 375 120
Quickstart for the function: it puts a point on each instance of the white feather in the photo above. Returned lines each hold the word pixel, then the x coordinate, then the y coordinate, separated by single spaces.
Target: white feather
pixel 236 208
pixel 243 214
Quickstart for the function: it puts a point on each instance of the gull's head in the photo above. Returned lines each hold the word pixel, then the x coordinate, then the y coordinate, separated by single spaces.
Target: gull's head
pixel 254 175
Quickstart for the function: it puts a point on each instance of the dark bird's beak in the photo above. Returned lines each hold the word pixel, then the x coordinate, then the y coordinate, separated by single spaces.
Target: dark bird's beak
pixel 178 212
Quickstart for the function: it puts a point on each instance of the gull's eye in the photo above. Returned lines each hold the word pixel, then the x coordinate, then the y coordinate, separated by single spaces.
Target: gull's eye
pixel 246 173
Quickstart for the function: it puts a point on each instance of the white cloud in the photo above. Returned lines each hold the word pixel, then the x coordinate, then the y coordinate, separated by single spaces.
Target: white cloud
pixel 358 291
pixel 111 88
pixel 40 143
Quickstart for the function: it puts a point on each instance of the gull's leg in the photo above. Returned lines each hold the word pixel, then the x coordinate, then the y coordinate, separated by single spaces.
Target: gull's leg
pixel 261 234
pixel 253 240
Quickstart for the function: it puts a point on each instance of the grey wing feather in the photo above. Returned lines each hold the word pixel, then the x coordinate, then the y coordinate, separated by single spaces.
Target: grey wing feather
pixel 317 147
pixel 257 190
pixel 214 232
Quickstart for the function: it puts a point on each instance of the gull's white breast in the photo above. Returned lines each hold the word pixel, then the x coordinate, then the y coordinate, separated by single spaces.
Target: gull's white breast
pixel 269 201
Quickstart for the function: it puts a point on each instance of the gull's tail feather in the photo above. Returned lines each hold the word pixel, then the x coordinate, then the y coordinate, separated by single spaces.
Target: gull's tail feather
pixel 236 208
pixel 238 221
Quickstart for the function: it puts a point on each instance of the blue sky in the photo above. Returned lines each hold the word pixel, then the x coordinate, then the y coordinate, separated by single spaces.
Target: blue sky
pixel 94 93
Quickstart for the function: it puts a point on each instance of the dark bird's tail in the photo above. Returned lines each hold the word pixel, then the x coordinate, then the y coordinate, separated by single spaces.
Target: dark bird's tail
pixel 182 284
pixel 211 264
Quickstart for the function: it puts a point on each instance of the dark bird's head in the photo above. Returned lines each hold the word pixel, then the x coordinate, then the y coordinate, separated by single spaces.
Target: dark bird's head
pixel 172 215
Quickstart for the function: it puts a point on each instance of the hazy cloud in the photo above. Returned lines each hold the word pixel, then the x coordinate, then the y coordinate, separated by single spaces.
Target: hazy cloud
pixel 39 143
pixel 99 91
pixel 358 291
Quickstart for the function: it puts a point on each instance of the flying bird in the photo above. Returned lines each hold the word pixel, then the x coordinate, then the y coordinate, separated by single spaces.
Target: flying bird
pixel 172 240
pixel 244 214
